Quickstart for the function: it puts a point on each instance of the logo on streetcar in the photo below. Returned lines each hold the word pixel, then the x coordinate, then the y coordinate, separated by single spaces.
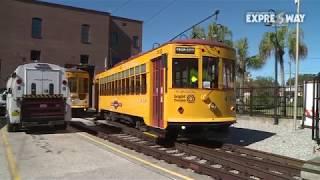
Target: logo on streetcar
pixel 116 104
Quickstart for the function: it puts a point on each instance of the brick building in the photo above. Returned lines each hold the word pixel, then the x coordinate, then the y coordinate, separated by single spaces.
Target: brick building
pixel 34 30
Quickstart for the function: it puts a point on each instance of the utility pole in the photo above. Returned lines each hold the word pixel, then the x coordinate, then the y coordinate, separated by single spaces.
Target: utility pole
pixel 289 77
pixel 297 2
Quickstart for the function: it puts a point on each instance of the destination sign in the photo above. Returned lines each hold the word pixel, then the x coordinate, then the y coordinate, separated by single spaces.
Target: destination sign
pixel 185 50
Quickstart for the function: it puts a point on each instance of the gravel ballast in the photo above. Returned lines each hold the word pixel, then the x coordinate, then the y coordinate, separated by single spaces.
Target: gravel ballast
pixel 283 139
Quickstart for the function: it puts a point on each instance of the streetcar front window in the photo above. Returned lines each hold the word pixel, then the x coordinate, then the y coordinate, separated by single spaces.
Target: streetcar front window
pixel 210 72
pixel 228 73
pixel 72 82
pixel 185 73
pixel 83 85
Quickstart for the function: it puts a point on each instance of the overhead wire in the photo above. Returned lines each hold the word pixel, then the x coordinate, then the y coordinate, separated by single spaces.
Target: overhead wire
pixel 121 6
pixel 159 12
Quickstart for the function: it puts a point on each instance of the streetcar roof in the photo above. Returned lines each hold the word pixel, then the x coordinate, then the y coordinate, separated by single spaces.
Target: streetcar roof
pixel 180 41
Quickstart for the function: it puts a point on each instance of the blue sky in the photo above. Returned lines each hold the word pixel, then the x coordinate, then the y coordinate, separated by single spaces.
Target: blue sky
pixel 163 19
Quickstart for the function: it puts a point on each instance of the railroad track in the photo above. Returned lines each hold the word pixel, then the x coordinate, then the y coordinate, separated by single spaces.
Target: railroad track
pixel 226 162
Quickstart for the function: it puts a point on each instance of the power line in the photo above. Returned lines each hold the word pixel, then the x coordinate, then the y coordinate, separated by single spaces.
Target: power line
pixel 121 6
pixel 160 11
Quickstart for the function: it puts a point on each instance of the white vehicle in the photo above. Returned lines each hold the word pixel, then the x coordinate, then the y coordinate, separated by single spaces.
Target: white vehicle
pixel 37 95
pixel 3 95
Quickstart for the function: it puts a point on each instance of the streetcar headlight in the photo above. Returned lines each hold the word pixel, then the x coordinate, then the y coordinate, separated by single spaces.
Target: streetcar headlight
pixel 232 108
pixel 212 106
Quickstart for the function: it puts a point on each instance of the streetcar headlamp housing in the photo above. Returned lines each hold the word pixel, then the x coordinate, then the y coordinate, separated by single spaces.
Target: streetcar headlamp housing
pixel 212 106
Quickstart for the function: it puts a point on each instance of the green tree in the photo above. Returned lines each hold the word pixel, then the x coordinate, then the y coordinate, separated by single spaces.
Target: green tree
pixel 284 39
pixel 198 33
pixel 242 54
pixel 301 79
pixel 261 81
pixel 220 33
pixel 216 32
pixel 243 61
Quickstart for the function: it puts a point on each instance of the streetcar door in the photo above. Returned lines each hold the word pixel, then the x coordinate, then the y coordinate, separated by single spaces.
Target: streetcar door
pixel 158 90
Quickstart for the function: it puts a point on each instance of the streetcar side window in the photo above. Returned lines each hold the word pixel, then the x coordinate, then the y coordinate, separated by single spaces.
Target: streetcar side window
pixel 143 79
pixel 123 85
pixel 112 88
pixel 127 86
pixel 210 72
pixel 83 85
pixel 143 84
pixel 228 73
pixel 137 84
pixel 72 82
pixel 132 85
pixel 117 87
pixel 108 88
pixel 185 73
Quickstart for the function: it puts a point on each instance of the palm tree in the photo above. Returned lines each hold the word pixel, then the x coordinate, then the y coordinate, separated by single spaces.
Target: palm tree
pixel 220 33
pixel 198 33
pixel 243 62
pixel 242 52
pixel 283 39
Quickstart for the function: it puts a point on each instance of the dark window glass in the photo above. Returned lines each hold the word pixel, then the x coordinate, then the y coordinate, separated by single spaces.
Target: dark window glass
pixel 143 83
pixel 136 43
pixel 112 88
pixel 105 89
pixel 109 88
pixel 33 88
pixel 137 84
pixel 72 82
pixel 84 59
pixel 114 38
pixel 228 73
pixel 185 73
pixel 132 85
pixel 123 86
pixel 51 88
pixel 35 55
pixel 83 85
pixel 127 86
pixel 36 27
pixel 210 72
pixel 85 33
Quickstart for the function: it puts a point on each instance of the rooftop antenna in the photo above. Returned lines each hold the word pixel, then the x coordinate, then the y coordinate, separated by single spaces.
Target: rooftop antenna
pixel 216 12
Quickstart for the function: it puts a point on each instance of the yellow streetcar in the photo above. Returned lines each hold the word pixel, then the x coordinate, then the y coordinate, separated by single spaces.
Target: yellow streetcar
pixel 180 85
pixel 78 81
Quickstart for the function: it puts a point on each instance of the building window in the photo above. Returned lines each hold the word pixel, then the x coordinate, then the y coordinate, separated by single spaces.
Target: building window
pixel 84 59
pixel 36 27
pixel 85 33
pixel 35 55
pixel 114 38
pixel 136 42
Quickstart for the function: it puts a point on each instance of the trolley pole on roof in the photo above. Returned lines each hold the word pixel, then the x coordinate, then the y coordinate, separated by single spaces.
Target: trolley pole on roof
pixel 216 12
pixel 297 2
